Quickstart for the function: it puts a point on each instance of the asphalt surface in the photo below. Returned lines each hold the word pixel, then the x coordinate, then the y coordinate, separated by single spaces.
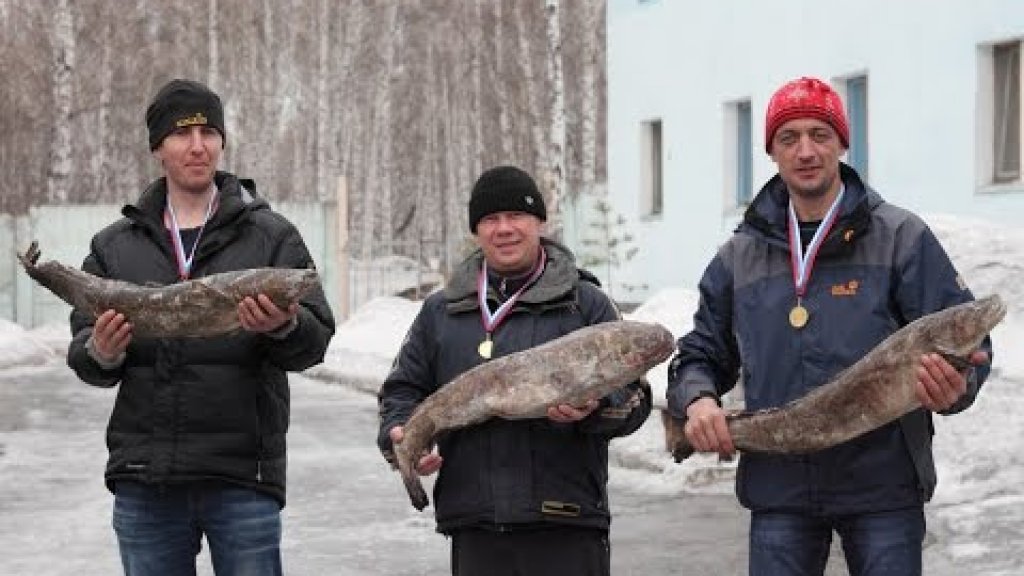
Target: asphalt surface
pixel 347 512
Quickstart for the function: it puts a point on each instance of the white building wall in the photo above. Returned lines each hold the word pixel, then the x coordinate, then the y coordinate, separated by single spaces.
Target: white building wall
pixel 683 61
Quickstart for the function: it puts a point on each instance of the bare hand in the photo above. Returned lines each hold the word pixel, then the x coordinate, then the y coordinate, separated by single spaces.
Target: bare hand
pixel 706 429
pixel 261 315
pixel 429 463
pixel 939 385
pixel 565 413
pixel 110 335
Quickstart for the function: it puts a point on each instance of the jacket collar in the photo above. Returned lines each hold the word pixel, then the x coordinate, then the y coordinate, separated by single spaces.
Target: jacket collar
pixel 767 214
pixel 558 279
pixel 234 197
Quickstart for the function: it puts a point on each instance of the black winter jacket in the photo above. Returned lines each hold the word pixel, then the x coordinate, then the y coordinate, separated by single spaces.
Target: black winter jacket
pixel 508 474
pixel 195 409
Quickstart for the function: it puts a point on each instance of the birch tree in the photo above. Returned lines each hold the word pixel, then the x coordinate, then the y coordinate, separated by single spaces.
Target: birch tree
pixel 554 175
pixel 62 67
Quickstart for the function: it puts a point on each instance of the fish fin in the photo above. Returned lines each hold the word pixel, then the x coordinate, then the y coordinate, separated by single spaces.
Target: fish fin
pixel 959 363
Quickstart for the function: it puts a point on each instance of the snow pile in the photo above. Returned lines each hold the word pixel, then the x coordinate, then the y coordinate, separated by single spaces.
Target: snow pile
pixel 19 347
pixel 365 346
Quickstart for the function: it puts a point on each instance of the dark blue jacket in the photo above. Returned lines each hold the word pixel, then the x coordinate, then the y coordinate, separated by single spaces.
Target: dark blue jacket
pixel 512 474
pixel 879 269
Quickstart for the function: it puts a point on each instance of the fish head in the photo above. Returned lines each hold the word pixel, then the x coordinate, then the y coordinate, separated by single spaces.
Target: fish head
pixel 649 343
pixel 284 286
pixel 299 282
pixel 960 329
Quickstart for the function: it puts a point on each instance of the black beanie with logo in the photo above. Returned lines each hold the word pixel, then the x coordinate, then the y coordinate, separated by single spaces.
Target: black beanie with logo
pixel 505 189
pixel 182 103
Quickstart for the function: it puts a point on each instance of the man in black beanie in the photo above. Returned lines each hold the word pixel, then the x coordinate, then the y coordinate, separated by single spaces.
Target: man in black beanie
pixel 517 497
pixel 197 432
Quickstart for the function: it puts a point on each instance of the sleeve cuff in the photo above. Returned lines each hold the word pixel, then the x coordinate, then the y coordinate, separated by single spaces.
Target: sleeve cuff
pixel 90 348
pixel 283 332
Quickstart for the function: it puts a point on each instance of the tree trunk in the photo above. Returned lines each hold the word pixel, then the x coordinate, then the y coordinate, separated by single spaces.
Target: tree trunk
pixel 554 179
pixel 63 94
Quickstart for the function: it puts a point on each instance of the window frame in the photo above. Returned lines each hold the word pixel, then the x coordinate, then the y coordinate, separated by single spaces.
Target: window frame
pixel 652 168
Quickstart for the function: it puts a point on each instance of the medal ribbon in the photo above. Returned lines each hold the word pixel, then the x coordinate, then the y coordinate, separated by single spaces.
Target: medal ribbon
pixel 171 222
pixel 801 263
pixel 492 320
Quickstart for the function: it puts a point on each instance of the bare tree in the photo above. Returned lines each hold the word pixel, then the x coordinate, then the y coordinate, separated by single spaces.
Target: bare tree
pixel 407 100
pixel 62 64
pixel 554 174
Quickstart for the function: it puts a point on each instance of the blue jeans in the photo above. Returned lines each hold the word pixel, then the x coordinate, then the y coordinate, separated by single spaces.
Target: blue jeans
pixel 876 544
pixel 159 529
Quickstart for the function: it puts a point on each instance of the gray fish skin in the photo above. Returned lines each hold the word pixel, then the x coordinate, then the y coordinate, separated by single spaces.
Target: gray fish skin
pixel 206 306
pixel 877 389
pixel 584 365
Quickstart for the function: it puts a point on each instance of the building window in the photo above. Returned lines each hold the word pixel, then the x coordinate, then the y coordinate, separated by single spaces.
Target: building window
pixel 744 154
pixel 857 113
pixel 1006 149
pixel 652 202
pixel 739 155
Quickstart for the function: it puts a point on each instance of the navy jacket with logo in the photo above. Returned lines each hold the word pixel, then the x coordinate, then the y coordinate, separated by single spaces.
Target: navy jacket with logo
pixel 879 269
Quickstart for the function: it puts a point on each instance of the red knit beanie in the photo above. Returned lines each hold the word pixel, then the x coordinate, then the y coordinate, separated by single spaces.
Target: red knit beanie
pixel 805 98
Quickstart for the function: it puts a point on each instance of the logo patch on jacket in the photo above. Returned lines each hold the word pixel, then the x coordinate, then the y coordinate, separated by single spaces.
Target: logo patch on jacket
pixel 848 289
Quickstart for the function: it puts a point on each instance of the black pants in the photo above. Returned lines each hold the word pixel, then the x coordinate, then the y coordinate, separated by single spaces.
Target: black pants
pixel 559 551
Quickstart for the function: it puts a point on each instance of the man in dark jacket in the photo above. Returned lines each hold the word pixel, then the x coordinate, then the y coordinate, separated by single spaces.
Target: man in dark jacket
pixel 875 268
pixel 523 497
pixel 197 433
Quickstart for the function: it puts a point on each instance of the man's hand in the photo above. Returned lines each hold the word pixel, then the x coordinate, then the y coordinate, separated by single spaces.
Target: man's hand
pixel 261 315
pixel 565 413
pixel 428 464
pixel 706 429
pixel 110 336
pixel 939 385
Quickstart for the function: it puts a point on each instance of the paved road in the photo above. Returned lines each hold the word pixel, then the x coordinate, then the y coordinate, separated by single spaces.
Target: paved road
pixel 347 513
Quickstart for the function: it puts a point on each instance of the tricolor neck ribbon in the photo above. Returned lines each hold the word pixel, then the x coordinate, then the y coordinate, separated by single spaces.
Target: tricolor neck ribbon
pixel 802 263
pixel 492 320
pixel 171 222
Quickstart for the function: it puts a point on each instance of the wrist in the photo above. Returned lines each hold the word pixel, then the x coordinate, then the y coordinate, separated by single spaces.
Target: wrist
pixel 98 357
pixel 703 395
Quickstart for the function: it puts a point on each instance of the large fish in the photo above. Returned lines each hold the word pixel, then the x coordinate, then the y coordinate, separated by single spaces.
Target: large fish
pixel 586 364
pixel 204 306
pixel 875 390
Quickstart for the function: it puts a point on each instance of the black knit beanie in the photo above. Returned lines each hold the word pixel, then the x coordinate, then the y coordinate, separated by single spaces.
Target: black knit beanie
pixel 183 103
pixel 505 189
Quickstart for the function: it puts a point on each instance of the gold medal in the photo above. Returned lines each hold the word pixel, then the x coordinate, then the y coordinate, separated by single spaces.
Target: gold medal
pixel 798 316
pixel 485 348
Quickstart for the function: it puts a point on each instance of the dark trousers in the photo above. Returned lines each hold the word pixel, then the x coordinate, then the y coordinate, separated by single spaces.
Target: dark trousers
pixel 559 551
pixel 877 544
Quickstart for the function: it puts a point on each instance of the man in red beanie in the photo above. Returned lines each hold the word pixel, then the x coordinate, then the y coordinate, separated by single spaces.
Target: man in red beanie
pixel 517 497
pixel 819 272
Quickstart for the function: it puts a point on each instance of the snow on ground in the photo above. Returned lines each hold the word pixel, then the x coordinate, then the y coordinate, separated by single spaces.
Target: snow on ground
pixel 19 347
pixel 979 454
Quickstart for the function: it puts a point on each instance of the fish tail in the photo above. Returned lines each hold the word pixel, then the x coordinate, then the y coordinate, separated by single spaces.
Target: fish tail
pixel 675 437
pixel 407 469
pixel 31 256
pixel 408 452
pixel 414 487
